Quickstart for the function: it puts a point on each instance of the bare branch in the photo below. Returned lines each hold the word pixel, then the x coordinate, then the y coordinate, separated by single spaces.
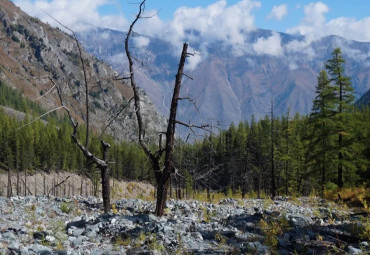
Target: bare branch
pixel 150 16
pixel 191 101
pixel 62 102
pixel 134 86
pixel 29 191
pixel 191 78
pixel 203 126
pixel 122 107
pixel 55 186
pixel 45 93
pixel 84 73
pixel 142 63
pixel 176 173
pixel 122 78
pixel 99 162
pixel 29 123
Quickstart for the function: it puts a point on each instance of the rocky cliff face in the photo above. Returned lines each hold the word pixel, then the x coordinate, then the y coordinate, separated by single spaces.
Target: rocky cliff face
pixel 31 51
pixel 230 86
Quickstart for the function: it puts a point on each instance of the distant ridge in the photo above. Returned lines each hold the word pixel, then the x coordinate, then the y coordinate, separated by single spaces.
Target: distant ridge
pixel 231 87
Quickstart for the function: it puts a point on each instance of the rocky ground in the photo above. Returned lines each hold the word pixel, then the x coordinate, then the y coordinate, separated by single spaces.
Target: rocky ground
pixel 49 225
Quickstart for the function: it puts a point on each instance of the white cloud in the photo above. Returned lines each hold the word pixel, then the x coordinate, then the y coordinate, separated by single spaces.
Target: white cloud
pixel 350 52
pixel 193 60
pixel 141 41
pixel 278 12
pixel 301 47
pixel 269 46
pixel 315 13
pixel 199 25
pixel 293 66
pixel 105 35
pixel 315 26
pixel 75 14
pixel 118 58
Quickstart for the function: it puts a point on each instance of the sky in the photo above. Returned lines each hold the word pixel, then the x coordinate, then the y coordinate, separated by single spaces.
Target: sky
pixel 279 15
pixel 210 20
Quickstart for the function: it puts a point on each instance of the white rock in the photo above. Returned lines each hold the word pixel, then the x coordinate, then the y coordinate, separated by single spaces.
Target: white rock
pixel 353 250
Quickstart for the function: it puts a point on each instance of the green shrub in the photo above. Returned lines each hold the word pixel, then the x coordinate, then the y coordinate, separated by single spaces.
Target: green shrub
pixel 272 228
pixel 66 207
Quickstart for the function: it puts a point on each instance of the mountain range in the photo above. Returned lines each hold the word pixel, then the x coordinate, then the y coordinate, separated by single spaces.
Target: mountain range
pixel 32 52
pixel 230 85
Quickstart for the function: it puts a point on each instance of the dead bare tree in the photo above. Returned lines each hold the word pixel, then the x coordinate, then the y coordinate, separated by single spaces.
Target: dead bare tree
pixel 102 164
pixel 162 174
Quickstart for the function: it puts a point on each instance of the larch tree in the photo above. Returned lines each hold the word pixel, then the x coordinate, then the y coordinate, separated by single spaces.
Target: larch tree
pixel 321 118
pixel 343 100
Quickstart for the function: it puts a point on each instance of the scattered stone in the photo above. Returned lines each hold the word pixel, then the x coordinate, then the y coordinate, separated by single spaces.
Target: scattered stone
pixel 353 250
pixel 190 227
pixel 77 224
pixel 41 235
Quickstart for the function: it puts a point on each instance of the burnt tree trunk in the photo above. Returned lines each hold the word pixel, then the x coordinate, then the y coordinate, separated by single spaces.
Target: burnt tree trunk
pixel 162 191
pixel 105 178
pixel 25 182
pixel 273 186
pixel 162 176
pixel 170 138
pixel 9 192
pixel 100 163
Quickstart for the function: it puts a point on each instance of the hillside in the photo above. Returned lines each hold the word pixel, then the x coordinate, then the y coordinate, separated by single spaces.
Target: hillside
pixel 31 51
pixel 364 100
pixel 232 86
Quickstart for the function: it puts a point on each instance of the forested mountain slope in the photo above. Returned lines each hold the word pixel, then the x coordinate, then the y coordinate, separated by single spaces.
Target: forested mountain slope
pixel 364 100
pixel 31 51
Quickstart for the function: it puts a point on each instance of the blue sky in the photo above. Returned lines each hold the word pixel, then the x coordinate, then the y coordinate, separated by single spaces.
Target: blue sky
pixel 125 9
pixel 228 21
pixel 358 9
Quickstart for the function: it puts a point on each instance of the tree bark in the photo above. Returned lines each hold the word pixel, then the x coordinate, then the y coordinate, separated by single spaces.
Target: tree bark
pixel 105 178
pixel 162 190
pixel 170 138
pixel 273 187
pixel 9 188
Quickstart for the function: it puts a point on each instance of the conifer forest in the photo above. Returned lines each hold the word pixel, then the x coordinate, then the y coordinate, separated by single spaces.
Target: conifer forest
pixel 288 155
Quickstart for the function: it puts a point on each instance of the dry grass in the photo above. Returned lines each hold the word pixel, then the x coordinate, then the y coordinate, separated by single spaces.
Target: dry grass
pixel 352 197
pixel 72 186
